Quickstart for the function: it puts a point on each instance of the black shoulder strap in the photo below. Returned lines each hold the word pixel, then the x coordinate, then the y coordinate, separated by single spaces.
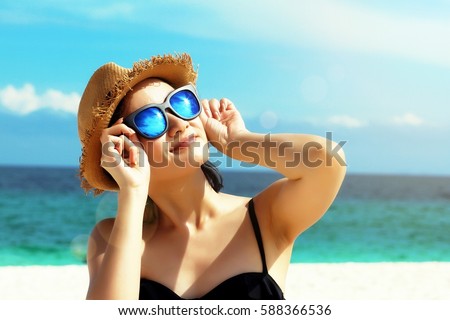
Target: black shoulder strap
pixel 254 219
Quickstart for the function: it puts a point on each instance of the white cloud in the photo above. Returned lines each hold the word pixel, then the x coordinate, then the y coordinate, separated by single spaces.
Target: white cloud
pixel 346 121
pixel 336 25
pixel 26 100
pixel 408 119
pixel 368 30
pixel 22 100
pixel 328 24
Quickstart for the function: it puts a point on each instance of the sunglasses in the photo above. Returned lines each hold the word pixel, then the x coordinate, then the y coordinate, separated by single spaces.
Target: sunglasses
pixel 151 120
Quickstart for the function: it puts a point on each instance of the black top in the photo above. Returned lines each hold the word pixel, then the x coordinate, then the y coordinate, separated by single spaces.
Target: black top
pixel 244 286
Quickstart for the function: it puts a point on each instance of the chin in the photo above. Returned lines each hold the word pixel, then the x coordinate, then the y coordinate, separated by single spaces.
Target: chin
pixel 176 170
pixel 189 161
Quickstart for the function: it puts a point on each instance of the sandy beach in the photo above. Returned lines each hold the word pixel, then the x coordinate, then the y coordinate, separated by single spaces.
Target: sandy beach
pixel 338 281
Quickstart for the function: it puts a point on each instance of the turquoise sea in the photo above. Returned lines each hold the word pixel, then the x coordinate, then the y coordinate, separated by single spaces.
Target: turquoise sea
pixel 46 217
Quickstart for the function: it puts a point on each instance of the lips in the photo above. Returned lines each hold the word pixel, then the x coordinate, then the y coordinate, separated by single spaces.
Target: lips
pixel 184 142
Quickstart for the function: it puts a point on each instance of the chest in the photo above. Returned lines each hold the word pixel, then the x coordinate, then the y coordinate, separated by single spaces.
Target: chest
pixel 191 265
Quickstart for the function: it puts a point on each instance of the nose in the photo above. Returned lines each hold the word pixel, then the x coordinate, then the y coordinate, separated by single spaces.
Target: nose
pixel 176 125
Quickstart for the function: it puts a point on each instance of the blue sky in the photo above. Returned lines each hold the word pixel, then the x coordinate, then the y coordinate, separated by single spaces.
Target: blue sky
pixel 374 74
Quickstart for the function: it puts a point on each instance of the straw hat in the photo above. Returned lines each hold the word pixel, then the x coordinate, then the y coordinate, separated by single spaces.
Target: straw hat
pixel 107 86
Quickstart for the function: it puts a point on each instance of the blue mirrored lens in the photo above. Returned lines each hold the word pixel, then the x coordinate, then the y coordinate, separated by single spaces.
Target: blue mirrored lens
pixel 151 122
pixel 185 104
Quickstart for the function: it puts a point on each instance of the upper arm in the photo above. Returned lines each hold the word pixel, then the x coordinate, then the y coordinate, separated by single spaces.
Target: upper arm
pixel 295 205
pixel 98 242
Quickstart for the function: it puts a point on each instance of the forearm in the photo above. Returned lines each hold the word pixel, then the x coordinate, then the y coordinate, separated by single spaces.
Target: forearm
pixel 118 275
pixel 292 155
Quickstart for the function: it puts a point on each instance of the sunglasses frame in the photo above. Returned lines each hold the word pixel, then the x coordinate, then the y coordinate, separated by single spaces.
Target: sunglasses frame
pixel 129 120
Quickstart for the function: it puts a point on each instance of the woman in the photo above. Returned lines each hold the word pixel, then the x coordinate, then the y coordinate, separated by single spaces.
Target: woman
pixel 145 134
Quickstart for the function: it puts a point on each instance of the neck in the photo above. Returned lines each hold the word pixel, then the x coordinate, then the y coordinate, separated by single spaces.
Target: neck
pixel 186 202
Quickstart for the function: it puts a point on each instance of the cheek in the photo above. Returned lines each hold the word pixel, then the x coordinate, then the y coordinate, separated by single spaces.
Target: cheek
pixel 156 150
pixel 197 123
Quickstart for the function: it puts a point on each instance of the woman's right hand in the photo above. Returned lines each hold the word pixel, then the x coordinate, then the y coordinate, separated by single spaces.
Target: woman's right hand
pixel 123 157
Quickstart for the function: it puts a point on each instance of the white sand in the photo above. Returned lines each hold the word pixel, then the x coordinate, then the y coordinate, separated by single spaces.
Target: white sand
pixel 369 281
pixel 429 280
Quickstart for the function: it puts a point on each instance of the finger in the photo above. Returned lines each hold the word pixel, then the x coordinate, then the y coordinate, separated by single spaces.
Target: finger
pixel 127 142
pixel 134 150
pixel 124 145
pixel 133 141
pixel 118 144
pixel 226 104
pixel 214 106
pixel 116 130
pixel 134 156
pixel 120 120
pixel 120 129
pixel 223 105
pixel 204 116
pixel 127 145
pixel 205 107
pixel 111 153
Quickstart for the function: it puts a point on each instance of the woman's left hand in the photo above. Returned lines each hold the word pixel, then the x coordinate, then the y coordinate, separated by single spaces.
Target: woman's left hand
pixel 222 122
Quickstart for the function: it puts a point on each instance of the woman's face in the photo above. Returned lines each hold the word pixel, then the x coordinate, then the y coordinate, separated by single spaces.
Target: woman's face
pixel 184 145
